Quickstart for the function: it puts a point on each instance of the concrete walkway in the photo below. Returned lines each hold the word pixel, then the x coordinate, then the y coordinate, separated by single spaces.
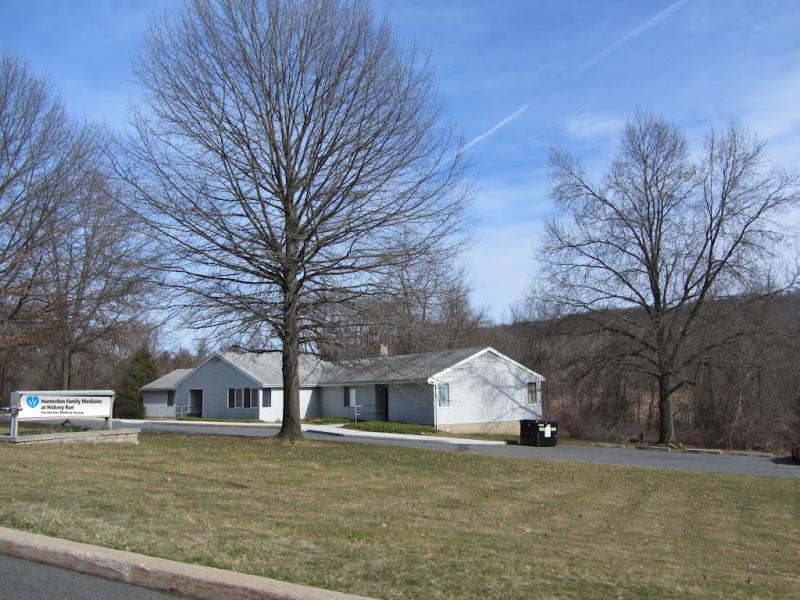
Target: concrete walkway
pixel 339 430
pixel 336 429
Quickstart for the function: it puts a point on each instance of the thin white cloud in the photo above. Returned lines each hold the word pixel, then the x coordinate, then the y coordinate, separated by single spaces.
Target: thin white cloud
pixel 637 31
pixel 588 126
pixel 633 33
pixel 502 123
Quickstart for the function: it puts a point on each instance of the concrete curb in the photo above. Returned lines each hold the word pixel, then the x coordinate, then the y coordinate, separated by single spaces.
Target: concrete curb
pixel 609 445
pixel 195 581
pixel 751 453
pixel 656 448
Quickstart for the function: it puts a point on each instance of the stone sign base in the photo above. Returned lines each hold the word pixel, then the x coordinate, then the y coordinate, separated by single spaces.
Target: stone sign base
pixel 93 436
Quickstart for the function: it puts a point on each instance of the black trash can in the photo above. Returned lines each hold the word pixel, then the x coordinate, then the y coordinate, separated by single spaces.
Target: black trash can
pixel 538 432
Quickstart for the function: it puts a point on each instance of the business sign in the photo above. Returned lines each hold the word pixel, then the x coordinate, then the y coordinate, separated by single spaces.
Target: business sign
pixel 63 404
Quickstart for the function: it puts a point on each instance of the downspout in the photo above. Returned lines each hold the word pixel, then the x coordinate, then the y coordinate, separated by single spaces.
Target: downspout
pixel 435 404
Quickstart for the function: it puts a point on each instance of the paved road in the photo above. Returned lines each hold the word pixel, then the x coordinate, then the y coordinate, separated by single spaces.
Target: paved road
pixel 714 463
pixel 25 580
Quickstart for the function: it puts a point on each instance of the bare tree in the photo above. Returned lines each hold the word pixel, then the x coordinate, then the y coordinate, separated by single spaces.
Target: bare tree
pixel 644 250
pixel 97 274
pixel 290 157
pixel 42 155
pixel 419 308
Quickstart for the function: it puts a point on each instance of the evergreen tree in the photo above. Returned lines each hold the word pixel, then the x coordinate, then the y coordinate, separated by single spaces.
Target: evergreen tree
pixel 139 369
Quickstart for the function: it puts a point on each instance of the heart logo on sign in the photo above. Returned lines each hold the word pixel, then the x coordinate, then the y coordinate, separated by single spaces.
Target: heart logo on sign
pixel 33 401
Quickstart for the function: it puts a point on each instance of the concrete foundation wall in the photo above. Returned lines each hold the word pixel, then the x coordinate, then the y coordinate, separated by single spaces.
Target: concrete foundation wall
pixel 498 427
pixel 93 436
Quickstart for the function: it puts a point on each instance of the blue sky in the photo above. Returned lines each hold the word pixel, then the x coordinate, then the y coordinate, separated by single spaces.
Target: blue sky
pixel 568 72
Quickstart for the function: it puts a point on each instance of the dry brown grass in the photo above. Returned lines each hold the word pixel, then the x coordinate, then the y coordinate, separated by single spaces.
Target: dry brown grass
pixel 403 523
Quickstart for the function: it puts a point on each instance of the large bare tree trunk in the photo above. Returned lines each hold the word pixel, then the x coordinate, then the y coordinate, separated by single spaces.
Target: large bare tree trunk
pixel 666 430
pixel 290 427
pixel 66 368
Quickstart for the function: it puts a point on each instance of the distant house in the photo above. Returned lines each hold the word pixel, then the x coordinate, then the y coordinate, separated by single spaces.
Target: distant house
pixel 466 390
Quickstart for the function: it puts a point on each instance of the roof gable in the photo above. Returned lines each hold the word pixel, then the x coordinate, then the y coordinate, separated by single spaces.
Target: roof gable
pixel 488 350
pixel 388 369
pixel 267 367
pixel 167 382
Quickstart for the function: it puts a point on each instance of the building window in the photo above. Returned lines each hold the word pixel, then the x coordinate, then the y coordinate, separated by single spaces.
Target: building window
pixel 242 397
pixel 443 392
pixel 533 393
pixel 170 398
pixel 266 398
pixel 350 396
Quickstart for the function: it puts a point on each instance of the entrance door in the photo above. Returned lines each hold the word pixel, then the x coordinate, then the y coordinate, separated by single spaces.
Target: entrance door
pixel 195 403
pixel 382 402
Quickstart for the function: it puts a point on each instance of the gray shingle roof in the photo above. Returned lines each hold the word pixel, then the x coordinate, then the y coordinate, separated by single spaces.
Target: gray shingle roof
pixel 168 382
pixel 387 369
pixel 266 367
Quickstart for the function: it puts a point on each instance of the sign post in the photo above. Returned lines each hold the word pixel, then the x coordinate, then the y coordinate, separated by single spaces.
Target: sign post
pixel 37 405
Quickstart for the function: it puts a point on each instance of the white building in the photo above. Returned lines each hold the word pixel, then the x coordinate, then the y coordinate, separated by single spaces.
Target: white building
pixel 466 390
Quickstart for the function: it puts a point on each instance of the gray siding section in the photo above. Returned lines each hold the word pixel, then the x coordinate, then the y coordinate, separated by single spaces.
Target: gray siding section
pixel 365 398
pixel 332 402
pixel 155 405
pixel 214 378
pixel 411 403
pixel 408 402
pixel 488 388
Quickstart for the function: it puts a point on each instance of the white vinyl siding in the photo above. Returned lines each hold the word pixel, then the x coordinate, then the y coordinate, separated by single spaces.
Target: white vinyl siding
pixel 309 404
pixel 486 389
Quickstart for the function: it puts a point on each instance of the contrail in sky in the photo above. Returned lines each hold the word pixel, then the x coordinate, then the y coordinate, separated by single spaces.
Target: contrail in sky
pixel 633 33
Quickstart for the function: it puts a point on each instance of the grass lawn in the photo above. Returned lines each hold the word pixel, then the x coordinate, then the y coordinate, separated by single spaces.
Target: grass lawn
pixel 403 523
pixel 392 427
pixel 327 420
